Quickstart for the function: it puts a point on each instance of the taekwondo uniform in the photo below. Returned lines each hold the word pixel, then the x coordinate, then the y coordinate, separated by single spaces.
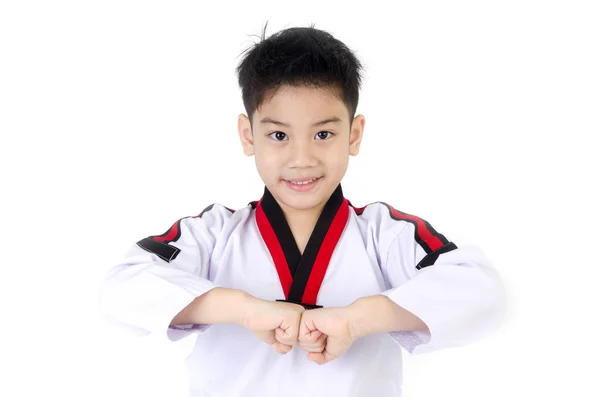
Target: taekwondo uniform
pixel 352 253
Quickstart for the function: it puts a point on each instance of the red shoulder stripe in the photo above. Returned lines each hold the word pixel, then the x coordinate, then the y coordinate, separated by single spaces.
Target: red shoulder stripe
pixel 425 235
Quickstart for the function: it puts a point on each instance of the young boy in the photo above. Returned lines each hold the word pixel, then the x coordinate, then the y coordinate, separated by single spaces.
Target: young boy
pixel 300 293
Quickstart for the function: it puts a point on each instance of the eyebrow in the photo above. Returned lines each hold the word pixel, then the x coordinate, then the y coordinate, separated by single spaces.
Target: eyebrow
pixel 334 119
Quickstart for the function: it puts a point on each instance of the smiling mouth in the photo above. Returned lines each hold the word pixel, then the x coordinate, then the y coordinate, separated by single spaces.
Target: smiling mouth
pixel 302 181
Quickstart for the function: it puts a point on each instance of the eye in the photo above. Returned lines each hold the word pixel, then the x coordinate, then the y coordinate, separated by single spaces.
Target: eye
pixel 278 136
pixel 321 135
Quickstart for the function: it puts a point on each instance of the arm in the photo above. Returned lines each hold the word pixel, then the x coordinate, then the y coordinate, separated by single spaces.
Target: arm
pixel 437 295
pixel 275 323
pixel 327 333
pixel 162 287
pixel 379 313
pixel 453 290
pixel 217 306
pixel 444 295
pixel 161 275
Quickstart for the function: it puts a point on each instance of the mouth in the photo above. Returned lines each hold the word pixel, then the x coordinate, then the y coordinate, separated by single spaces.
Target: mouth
pixel 302 184
pixel 302 181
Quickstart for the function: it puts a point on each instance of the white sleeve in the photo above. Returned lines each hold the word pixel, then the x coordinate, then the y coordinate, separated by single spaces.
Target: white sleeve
pixel 161 275
pixel 454 290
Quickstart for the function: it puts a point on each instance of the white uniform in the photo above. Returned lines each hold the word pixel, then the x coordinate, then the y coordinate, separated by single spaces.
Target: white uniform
pixel 352 253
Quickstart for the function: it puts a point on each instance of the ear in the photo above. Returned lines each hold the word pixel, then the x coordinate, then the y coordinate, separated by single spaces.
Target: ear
pixel 245 132
pixel 356 133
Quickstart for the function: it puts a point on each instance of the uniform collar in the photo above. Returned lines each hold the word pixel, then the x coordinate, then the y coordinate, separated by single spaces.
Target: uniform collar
pixel 301 274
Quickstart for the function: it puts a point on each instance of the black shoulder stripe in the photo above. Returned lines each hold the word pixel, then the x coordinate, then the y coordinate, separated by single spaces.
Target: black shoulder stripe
pixel 210 207
pixel 164 251
pixel 159 244
pixel 358 210
pixel 430 258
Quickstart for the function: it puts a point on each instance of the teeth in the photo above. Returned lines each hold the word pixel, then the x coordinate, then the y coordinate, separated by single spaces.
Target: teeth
pixel 305 182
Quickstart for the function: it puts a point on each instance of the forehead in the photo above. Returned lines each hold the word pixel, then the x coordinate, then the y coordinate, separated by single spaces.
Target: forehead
pixel 303 104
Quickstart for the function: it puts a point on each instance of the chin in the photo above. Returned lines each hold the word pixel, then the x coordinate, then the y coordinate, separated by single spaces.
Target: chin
pixel 303 204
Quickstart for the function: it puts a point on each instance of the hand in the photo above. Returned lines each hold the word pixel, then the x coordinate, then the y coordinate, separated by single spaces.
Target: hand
pixel 326 333
pixel 275 323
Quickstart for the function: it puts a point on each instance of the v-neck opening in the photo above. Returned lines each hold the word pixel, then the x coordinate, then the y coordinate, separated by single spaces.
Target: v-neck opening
pixel 295 269
pixel 284 234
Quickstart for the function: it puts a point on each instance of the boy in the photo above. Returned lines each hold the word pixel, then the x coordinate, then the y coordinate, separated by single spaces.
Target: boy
pixel 300 293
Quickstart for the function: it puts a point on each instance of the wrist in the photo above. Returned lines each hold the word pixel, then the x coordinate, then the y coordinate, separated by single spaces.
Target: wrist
pixel 359 321
pixel 378 313
pixel 373 314
pixel 225 306
pixel 246 309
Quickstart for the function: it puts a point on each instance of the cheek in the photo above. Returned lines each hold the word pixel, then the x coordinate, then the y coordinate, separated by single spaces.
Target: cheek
pixel 340 167
pixel 267 156
pixel 338 162
pixel 337 154
pixel 267 162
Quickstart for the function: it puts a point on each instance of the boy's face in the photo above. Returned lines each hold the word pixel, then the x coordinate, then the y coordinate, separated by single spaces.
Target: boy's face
pixel 301 163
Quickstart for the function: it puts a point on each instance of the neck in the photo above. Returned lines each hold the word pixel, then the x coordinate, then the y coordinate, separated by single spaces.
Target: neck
pixel 300 219
pixel 299 222
pixel 302 223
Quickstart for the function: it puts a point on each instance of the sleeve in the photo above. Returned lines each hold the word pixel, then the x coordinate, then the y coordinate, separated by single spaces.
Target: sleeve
pixel 454 290
pixel 161 275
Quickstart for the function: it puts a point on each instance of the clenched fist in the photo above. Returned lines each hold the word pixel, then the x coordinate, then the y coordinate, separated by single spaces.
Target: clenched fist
pixel 275 323
pixel 326 333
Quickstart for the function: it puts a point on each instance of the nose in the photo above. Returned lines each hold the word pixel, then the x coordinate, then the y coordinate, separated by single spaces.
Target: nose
pixel 301 154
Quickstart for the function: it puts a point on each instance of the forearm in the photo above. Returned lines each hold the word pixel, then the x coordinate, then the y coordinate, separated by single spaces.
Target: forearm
pixel 379 313
pixel 217 306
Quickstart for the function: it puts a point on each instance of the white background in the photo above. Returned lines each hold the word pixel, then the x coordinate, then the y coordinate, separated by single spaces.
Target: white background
pixel 119 117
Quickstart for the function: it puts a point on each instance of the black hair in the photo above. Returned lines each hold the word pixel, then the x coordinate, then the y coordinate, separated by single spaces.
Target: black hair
pixel 298 56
